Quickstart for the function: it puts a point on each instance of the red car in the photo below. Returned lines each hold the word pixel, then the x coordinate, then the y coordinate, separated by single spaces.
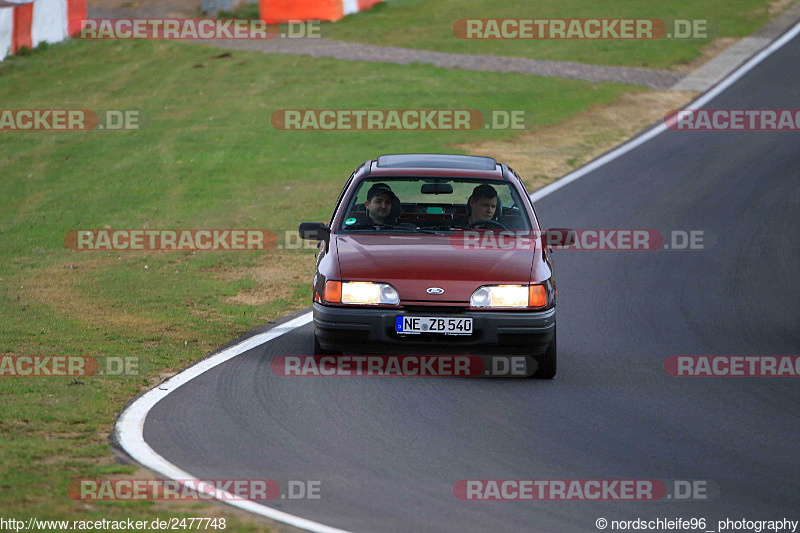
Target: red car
pixel 430 250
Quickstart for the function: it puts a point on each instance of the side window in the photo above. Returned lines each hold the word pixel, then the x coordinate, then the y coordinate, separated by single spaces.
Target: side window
pixel 506 197
pixel 341 195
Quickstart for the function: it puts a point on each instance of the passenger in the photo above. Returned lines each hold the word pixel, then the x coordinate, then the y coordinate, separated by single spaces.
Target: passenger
pixel 482 206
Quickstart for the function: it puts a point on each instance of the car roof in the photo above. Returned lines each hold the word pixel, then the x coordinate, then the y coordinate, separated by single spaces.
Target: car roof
pixel 435 164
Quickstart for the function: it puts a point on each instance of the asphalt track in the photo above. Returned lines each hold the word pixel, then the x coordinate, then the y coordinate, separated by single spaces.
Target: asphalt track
pixel 389 450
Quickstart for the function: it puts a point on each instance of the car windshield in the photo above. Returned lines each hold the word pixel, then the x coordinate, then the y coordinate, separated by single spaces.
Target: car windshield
pixel 434 205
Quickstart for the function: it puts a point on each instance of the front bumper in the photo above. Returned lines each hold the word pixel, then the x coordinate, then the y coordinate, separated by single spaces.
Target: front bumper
pixel 373 330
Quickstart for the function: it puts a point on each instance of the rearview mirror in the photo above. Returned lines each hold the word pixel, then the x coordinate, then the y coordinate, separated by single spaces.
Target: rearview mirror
pixel 314 231
pixel 436 188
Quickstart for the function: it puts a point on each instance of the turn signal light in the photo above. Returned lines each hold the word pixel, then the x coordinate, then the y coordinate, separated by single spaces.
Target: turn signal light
pixel 333 292
pixel 537 296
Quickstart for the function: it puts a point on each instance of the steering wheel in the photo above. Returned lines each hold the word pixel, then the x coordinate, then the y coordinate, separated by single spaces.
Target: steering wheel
pixel 492 222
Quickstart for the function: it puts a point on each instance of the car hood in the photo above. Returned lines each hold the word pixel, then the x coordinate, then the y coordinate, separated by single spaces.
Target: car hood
pixel 415 263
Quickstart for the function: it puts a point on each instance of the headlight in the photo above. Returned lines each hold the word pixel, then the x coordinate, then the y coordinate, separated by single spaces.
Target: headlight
pixel 509 296
pixel 368 293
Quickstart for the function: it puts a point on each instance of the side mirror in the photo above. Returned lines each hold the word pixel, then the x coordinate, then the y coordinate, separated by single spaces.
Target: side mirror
pixel 314 231
pixel 560 237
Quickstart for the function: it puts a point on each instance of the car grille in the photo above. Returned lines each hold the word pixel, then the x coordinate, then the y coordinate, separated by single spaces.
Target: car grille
pixel 432 310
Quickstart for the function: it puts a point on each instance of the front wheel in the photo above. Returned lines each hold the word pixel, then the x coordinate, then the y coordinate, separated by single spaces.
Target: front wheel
pixel 546 362
pixel 319 350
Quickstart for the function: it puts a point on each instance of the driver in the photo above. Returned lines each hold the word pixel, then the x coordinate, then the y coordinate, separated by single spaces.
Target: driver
pixel 379 206
pixel 482 205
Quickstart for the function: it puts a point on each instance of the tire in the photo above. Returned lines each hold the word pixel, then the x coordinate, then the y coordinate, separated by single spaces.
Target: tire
pixel 319 350
pixel 546 362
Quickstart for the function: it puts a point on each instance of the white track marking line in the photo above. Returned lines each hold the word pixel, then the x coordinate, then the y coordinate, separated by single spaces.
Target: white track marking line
pixel 130 425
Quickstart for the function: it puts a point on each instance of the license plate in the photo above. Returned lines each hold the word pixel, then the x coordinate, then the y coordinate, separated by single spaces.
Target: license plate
pixel 433 324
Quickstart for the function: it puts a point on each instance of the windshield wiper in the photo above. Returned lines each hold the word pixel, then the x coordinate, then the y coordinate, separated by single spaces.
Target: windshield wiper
pixel 450 227
pixel 429 231
pixel 376 225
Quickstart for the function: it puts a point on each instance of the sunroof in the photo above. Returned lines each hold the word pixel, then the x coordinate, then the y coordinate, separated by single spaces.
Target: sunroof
pixel 470 162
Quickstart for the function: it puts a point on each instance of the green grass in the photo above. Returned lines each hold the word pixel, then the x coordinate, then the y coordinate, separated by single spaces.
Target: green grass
pixel 242 11
pixel 207 157
pixel 428 24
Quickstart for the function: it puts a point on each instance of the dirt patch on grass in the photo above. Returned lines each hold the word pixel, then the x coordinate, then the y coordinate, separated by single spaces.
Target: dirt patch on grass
pixel 79 436
pixel 105 460
pixel 159 379
pixel 55 287
pixel 275 277
pixel 546 154
pixel 779 6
